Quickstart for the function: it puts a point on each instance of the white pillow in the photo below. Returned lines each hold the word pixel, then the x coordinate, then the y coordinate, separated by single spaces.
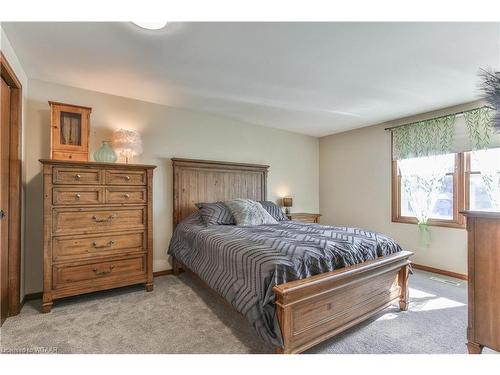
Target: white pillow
pixel 247 212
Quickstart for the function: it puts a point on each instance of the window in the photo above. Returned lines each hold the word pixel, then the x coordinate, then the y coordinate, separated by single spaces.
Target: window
pixel 412 188
pixel 483 179
pixel 466 181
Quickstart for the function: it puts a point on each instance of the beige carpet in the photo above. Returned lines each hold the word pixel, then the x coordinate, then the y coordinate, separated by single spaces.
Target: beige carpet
pixel 180 316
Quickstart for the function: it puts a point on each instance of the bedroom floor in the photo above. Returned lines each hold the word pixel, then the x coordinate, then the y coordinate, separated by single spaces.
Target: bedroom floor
pixel 180 316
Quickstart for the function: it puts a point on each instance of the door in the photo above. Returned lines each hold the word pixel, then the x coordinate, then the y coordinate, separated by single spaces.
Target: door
pixel 5 96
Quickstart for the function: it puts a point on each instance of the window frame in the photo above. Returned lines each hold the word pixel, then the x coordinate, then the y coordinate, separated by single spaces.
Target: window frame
pixel 460 195
pixel 467 173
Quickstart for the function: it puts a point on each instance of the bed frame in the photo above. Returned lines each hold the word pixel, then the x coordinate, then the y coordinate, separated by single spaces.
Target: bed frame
pixel 313 309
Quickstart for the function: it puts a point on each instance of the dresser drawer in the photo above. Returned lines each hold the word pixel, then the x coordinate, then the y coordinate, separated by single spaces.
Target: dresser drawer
pixel 126 195
pixel 132 177
pixel 93 220
pixel 77 195
pixel 64 248
pixel 305 219
pixel 64 155
pixel 76 176
pixel 66 275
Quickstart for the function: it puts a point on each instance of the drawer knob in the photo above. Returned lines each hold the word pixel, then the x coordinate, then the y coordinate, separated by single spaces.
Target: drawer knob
pixel 103 272
pixel 127 178
pixel 126 195
pixel 109 244
pixel 77 177
pixel 77 196
pixel 103 219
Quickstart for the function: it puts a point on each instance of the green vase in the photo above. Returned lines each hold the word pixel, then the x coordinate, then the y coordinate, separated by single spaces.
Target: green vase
pixel 425 235
pixel 105 153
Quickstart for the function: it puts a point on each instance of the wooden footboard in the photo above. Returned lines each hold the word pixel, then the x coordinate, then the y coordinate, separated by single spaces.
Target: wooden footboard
pixel 314 309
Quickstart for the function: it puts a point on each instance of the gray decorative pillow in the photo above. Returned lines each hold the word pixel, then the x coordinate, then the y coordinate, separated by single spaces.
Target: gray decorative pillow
pixel 274 210
pixel 248 212
pixel 215 213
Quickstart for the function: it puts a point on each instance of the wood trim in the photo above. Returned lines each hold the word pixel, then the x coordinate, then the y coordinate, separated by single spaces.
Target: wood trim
pixel 149 284
pixel 395 196
pixel 69 105
pixel 224 164
pixel 483 214
pixel 91 164
pixel 467 173
pixel 439 271
pixel 163 273
pixel 462 189
pixel 32 296
pixel 15 186
pixel 459 197
pixel 8 73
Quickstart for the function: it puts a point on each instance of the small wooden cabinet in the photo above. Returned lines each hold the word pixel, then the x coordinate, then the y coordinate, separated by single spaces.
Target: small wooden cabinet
pixel 304 217
pixel 98 230
pixel 69 137
pixel 483 230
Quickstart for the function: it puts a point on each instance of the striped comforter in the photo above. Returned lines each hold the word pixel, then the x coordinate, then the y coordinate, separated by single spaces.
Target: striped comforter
pixel 244 263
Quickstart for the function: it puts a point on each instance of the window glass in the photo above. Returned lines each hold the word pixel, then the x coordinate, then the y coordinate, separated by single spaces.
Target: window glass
pixel 427 179
pixel 484 185
pixel 71 128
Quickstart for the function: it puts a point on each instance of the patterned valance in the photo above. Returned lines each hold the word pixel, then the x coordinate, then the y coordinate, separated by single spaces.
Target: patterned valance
pixel 446 134
pixel 479 127
pixel 424 138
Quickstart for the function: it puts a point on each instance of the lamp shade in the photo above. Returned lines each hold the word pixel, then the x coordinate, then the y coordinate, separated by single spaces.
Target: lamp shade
pixel 287 201
pixel 127 143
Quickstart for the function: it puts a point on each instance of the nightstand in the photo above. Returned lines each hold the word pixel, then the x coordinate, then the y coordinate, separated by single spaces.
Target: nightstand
pixel 304 217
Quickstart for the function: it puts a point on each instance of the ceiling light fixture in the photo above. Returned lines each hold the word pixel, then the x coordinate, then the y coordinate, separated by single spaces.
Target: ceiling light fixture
pixel 151 25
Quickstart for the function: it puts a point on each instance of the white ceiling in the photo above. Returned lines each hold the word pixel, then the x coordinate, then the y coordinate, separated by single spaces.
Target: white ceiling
pixel 311 78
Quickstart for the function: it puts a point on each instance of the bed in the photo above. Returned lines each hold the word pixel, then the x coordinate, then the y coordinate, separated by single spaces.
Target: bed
pixel 298 284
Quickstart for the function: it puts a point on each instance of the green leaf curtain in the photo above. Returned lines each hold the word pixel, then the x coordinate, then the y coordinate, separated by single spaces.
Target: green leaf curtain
pixel 447 134
pixel 479 128
pixel 424 138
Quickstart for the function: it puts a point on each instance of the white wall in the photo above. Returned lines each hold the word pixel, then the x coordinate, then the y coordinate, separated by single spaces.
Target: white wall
pixel 166 132
pixel 16 66
pixel 355 189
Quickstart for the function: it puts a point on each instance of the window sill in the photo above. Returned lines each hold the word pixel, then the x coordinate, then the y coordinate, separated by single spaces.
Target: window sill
pixel 430 223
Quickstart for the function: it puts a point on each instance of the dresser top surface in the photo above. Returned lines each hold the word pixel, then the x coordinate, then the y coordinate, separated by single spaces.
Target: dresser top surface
pixel 94 164
pixel 484 214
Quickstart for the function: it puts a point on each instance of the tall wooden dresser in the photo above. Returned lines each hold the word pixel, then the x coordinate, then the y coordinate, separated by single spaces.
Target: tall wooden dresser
pixel 98 231
pixel 483 229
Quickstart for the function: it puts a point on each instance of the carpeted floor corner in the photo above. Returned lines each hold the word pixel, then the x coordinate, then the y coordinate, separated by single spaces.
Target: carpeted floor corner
pixel 180 316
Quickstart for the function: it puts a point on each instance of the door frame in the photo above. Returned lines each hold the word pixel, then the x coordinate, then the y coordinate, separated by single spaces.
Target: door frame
pixel 15 186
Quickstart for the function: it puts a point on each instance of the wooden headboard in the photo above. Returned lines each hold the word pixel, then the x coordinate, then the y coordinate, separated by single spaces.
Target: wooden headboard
pixel 212 181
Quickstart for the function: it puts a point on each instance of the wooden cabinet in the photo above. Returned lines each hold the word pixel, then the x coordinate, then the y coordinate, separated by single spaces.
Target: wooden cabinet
pixel 98 231
pixel 69 138
pixel 304 217
pixel 483 229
